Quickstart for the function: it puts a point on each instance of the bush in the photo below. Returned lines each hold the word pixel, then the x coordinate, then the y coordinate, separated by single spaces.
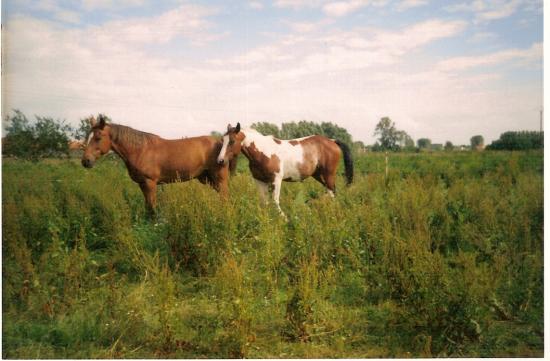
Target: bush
pixel 45 138
pixel 523 140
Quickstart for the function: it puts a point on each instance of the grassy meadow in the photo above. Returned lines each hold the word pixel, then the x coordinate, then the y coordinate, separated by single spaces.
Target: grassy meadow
pixel 444 257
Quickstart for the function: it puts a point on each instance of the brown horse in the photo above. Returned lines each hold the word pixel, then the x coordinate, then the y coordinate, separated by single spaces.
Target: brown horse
pixel 273 160
pixel 152 160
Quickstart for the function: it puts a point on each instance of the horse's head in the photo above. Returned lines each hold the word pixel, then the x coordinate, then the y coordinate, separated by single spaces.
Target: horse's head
pixel 231 146
pixel 99 141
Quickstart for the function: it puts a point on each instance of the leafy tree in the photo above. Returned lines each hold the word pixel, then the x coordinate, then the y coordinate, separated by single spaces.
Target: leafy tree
pixel 424 143
pixel 19 139
pixel 45 138
pixel 359 147
pixel 267 128
pixel 51 137
pixel 303 128
pixel 405 141
pixel 83 129
pixel 449 146
pixel 334 131
pixel 388 135
pixel 518 141
pixel 477 142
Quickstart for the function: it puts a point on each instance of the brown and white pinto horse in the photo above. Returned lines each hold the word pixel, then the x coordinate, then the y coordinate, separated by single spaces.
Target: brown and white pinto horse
pixel 152 160
pixel 273 160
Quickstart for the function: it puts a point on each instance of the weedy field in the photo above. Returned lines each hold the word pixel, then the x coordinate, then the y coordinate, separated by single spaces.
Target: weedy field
pixel 444 257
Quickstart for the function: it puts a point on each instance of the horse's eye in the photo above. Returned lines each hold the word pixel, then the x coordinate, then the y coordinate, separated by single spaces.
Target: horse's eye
pixel 231 142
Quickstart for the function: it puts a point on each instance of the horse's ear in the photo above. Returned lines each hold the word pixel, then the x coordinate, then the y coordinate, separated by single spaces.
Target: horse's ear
pixel 238 128
pixel 228 127
pixel 92 121
pixel 102 121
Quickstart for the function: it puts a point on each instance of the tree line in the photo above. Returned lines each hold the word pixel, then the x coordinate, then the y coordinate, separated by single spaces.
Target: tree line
pixel 48 137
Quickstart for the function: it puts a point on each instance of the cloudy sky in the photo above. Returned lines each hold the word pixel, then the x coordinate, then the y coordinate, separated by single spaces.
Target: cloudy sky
pixel 445 70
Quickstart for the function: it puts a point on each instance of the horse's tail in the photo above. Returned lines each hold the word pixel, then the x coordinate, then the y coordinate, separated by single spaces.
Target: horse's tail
pixel 233 165
pixel 348 161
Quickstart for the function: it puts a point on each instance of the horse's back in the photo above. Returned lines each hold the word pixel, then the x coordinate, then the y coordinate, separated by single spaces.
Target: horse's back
pixel 318 147
pixel 186 158
pixel 302 157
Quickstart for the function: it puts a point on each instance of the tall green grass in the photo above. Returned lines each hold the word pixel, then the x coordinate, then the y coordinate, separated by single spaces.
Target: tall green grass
pixel 442 258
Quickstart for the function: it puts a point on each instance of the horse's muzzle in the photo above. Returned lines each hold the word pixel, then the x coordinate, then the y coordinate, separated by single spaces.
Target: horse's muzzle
pixel 87 163
pixel 221 161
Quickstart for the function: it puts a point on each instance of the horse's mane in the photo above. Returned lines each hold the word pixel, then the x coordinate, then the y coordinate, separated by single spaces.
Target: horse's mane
pixel 130 136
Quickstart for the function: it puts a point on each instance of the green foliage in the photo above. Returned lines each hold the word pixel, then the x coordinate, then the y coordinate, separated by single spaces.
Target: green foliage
pixel 267 128
pixel 444 258
pixel 523 140
pixel 215 134
pixel 424 143
pixel 304 128
pixel 83 129
pixel 406 143
pixel 390 138
pixel 477 141
pixel 448 146
pixel 45 138
pixel 388 134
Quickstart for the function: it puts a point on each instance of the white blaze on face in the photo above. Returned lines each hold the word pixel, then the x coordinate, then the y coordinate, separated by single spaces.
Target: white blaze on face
pixel 221 156
pixel 89 138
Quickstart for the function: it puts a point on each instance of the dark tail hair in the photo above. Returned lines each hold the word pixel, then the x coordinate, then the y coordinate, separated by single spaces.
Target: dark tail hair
pixel 348 162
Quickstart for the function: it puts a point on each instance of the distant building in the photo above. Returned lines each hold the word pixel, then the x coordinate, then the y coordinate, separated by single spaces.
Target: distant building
pixel 436 146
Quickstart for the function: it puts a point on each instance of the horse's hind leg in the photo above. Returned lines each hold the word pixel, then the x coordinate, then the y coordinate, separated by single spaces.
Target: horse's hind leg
pixel 330 180
pixel 327 179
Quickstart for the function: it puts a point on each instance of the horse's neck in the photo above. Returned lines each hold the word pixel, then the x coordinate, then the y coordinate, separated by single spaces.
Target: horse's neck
pixel 128 154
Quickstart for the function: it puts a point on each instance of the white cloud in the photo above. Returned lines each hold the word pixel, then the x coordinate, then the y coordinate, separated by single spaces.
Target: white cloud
pixel 57 11
pixel 256 5
pixel 483 36
pixel 341 8
pixel 329 7
pixel 298 4
pixel 308 27
pixel 189 21
pixel 487 10
pixel 533 54
pixel 409 4
pixel 90 5
pixel 351 77
pixel 337 51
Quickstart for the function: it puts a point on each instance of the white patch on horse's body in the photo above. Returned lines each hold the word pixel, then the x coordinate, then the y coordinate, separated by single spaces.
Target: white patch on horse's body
pixel 290 156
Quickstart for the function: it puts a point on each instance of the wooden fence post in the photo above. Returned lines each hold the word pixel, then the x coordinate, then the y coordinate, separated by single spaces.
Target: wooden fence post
pixel 386 167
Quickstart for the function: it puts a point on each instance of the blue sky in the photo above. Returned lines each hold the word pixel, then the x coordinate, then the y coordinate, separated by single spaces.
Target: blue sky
pixel 446 70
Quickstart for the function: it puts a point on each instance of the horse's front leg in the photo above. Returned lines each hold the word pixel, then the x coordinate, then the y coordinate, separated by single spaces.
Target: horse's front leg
pixel 277 192
pixel 149 189
pixel 219 180
pixel 263 190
